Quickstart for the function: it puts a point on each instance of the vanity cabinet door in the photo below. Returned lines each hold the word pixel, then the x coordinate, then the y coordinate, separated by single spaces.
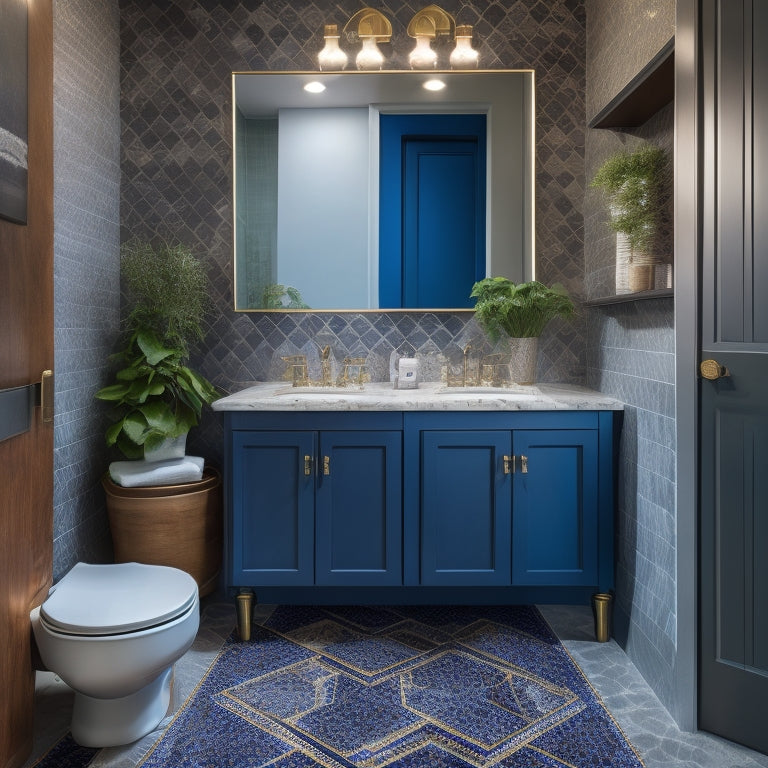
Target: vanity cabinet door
pixel 358 509
pixel 465 508
pixel 555 508
pixel 273 489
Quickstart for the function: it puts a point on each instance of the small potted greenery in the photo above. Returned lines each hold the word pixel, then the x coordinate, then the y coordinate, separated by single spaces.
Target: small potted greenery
pixel 519 312
pixel 157 398
pixel 633 183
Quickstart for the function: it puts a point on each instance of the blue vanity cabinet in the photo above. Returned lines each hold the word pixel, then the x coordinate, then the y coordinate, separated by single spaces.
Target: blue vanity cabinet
pixel 318 506
pixel 517 499
pixel 555 507
pixel 429 506
pixel 465 502
pixel 272 513
pixel 358 509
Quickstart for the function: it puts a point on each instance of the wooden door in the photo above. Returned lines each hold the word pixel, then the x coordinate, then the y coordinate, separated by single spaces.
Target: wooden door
pixel 26 349
pixel 733 665
pixel 465 508
pixel 358 509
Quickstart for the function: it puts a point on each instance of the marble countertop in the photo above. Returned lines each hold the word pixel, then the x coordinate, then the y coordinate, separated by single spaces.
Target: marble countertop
pixel 430 396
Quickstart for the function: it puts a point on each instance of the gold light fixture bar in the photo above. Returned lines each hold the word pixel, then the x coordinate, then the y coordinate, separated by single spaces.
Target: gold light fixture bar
pixel 432 22
pixel 369 22
pixel 370 27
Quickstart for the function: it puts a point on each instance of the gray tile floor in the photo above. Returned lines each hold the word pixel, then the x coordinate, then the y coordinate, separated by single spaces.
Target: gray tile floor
pixel 633 705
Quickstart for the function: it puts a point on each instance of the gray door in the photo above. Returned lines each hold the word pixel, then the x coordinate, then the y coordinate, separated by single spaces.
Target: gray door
pixel 733 666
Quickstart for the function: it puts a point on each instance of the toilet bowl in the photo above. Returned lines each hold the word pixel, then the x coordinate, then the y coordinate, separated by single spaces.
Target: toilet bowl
pixel 112 633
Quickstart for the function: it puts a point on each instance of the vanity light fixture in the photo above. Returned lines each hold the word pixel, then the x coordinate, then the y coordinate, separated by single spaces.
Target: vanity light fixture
pixel 464 56
pixel 331 58
pixel 314 87
pixel 422 56
pixel 427 25
pixel 371 27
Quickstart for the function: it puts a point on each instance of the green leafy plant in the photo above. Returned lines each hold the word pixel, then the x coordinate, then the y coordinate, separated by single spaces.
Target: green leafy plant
pixel 519 310
pixel 155 395
pixel 633 183
pixel 277 296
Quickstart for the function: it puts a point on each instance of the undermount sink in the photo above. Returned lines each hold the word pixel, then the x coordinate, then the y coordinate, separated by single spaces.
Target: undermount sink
pixel 365 389
pixel 517 390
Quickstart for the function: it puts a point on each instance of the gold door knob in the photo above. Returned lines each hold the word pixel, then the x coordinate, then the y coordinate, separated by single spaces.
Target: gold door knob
pixel 712 370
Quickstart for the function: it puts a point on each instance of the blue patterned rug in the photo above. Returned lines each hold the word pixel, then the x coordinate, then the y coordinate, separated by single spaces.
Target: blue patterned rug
pixel 405 687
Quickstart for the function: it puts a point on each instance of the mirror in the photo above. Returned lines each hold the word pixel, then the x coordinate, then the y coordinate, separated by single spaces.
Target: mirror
pixel 313 229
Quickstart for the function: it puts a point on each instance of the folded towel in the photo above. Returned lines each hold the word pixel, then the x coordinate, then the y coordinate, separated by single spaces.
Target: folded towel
pixel 132 474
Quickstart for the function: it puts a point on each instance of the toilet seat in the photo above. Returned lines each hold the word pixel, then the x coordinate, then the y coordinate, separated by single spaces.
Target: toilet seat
pixel 98 600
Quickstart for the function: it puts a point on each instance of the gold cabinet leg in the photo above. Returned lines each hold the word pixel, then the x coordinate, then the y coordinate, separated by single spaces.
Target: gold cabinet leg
pixel 244 611
pixel 601 608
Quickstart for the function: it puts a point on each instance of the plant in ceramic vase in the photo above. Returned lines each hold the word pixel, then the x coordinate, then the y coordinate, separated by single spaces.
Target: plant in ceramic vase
pixel 633 183
pixel 520 312
pixel 156 397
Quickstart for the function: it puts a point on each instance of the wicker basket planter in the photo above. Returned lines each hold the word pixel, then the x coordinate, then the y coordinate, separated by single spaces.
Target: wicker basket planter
pixel 176 525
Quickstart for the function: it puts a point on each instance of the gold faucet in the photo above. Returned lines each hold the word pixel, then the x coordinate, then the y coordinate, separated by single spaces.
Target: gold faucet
pixel 296 370
pixel 354 371
pixel 465 377
pixel 325 366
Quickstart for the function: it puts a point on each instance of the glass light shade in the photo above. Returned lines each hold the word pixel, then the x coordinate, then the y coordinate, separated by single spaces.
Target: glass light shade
pixel 464 56
pixel 370 57
pixel 422 56
pixel 331 58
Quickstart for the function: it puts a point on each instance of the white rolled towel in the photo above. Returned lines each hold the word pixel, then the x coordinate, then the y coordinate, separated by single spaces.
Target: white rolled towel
pixel 133 474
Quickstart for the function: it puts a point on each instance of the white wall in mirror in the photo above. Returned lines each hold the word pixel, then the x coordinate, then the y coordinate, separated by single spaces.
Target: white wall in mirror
pixel 306 179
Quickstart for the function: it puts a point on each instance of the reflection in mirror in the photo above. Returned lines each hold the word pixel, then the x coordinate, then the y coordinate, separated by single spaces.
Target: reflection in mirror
pixel 347 199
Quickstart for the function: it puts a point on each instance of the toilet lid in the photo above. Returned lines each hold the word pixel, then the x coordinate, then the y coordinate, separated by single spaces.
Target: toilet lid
pixel 112 599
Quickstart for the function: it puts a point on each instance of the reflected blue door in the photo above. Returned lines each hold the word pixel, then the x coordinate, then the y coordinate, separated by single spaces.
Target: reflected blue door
pixel 432 210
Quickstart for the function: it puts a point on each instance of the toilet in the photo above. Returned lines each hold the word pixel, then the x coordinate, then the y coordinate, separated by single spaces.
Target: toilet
pixel 113 633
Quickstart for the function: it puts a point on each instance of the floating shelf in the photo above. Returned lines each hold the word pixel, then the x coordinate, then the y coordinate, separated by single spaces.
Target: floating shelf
pixel 650 90
pixel 625 298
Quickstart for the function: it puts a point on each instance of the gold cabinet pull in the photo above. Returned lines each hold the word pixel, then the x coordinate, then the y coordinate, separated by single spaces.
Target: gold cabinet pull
pixel 712 370
pixel 509 465
pixel 326 465
pixel 46 396
pixel 307 465
pixel 524 464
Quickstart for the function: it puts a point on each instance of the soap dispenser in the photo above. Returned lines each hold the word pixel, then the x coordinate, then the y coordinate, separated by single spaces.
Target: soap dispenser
pixel 407 373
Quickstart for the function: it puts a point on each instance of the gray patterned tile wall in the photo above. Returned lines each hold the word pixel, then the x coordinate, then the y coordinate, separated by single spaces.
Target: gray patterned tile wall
pixel 624 37
pixel 86 264
pixel 631 354
pixel 176 61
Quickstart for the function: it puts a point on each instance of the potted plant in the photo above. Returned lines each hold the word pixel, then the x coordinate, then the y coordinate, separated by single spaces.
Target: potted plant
pixel 633 183
pixel 519 311
pixel 155 399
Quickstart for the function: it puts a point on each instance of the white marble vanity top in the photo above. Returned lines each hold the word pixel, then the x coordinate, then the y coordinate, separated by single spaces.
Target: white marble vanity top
pixel 430 396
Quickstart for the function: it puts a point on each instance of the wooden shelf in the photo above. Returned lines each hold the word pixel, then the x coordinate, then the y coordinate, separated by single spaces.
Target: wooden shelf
pixel 650 90
pixel 625 298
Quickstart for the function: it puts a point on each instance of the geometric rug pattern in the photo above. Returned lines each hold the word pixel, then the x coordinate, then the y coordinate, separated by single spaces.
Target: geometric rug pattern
pixel 402 687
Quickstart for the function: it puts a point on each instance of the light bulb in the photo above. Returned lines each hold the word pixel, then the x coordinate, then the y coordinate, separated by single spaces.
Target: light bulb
pixel 370 57
pixel 422 56
pixel 332 57
pixel 464 56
